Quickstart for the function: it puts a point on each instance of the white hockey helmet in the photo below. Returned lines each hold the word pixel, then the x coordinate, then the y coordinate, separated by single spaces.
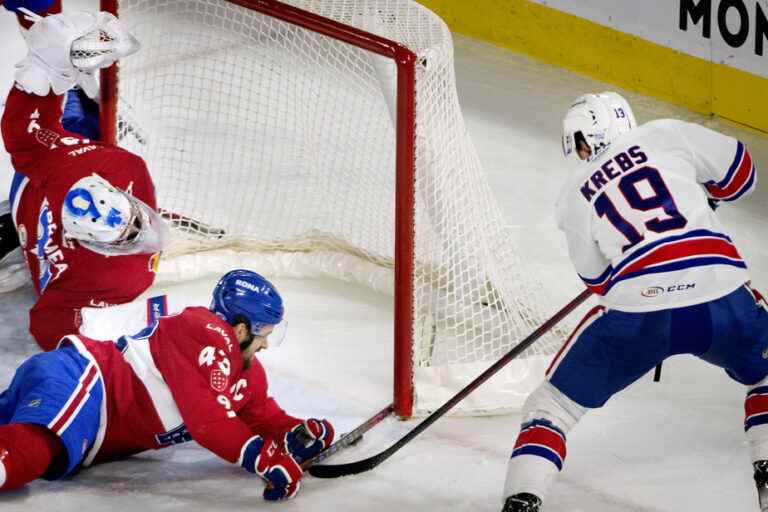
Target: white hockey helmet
pixel 109 221
pixel 597 120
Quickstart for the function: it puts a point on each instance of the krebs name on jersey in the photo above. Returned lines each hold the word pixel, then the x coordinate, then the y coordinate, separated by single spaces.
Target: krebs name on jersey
pixel 620 164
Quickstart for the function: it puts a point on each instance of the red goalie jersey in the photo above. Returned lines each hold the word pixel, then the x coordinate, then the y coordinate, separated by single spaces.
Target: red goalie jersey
pixel 48 160
pixel 182 378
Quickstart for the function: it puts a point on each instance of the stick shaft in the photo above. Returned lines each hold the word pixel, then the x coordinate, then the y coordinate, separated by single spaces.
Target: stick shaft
pixel 333 471
pixel 351 437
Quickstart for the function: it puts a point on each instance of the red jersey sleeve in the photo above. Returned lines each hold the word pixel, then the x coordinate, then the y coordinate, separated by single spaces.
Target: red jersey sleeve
pixel 32 131
pixel 260 411
pixel 199 358
pixel 43 150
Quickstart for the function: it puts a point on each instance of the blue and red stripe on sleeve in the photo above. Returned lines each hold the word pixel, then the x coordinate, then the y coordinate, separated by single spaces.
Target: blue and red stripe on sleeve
pixel 739 179
pixel 599 284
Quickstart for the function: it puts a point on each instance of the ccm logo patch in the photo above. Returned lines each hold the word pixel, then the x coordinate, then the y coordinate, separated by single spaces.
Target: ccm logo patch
pixel 655 291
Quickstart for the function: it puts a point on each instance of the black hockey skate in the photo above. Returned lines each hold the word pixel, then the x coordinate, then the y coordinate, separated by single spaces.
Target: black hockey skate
pixel 522 502
pixel 761 481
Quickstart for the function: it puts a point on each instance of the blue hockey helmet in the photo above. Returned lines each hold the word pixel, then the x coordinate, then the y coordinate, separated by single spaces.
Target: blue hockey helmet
pixel 242 294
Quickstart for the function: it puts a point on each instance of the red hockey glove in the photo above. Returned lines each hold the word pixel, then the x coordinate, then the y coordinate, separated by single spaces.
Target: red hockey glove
pixel 309 438
pixel 279 469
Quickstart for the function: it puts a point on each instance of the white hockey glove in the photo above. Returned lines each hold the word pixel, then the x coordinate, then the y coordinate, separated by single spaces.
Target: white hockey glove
pixel 65 50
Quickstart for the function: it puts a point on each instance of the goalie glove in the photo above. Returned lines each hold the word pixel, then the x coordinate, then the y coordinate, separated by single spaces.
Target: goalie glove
pixel 279 469
pixel 65 50
pixel 309 438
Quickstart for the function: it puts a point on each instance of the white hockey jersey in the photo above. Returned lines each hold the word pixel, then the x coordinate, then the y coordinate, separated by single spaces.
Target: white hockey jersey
pixel 640 229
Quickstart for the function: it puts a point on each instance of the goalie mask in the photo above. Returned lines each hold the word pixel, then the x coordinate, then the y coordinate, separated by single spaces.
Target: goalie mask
pixel 109 221
pixel 596 120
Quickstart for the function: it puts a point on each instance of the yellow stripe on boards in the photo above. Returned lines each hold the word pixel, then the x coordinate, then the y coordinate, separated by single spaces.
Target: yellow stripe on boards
pixel 611 56
pixel 740 97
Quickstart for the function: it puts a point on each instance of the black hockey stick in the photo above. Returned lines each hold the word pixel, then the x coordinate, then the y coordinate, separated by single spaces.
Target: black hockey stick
pixel 657 373
pixel 360 466
pixel 351 437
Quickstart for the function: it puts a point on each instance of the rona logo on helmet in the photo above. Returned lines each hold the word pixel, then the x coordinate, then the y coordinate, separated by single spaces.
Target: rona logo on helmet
pixel 253 287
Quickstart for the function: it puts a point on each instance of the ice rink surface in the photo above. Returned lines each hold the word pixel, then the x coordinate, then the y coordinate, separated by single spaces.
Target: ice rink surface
pixel 675 446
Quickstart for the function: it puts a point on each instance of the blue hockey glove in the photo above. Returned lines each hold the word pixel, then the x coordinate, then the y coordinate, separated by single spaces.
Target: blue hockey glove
pixel 81 114
pixel 309 438
pixel 268 459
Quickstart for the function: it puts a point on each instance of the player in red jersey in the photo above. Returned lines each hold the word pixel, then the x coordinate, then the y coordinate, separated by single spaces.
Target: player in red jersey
pixel 187 376
pixel 84 211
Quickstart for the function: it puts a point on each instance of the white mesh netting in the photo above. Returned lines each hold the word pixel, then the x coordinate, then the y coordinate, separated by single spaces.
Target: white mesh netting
pixel 281 142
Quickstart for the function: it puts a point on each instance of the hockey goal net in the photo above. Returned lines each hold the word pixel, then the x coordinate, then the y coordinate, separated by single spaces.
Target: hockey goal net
pixel 328 136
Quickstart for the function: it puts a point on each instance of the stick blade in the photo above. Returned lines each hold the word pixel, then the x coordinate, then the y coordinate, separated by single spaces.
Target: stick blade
pixel 339 470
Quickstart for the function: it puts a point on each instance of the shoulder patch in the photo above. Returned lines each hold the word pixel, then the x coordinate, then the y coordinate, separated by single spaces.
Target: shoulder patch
pixel 219 380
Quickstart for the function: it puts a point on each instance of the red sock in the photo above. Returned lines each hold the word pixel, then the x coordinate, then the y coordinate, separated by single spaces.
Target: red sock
pixel 26 452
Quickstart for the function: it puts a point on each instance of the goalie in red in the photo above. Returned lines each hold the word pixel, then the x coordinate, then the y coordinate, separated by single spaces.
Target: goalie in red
pixel 84 212
pixel 188 376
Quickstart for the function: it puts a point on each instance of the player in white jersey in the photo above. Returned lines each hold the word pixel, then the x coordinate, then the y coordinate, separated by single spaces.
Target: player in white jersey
pixel 638 215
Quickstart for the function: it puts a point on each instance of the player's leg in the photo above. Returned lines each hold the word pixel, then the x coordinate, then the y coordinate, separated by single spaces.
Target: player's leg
pixel 606 353
pixel 26 453
pixel 49 416
pixel 540 448
pixel 740 345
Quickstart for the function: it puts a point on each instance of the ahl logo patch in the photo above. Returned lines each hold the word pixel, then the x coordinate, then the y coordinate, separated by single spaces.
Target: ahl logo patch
pixel 653 291
pixel 219 380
